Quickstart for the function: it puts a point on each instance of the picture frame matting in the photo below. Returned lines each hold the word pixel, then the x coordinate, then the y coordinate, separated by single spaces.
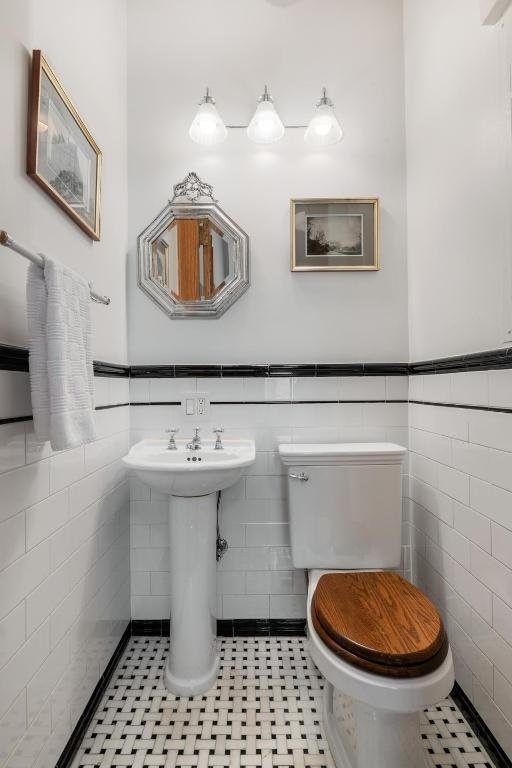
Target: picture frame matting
pixel 334 234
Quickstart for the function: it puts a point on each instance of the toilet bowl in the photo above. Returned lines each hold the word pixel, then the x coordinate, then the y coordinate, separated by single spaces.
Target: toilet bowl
pixel 372 720
pixel 378 642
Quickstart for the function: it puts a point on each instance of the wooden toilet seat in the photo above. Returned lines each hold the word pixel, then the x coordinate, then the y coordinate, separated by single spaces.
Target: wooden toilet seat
pixel 379 622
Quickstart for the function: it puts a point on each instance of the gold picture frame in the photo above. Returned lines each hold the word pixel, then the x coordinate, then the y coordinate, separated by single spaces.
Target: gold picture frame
pixel 335 234
pixel 62 156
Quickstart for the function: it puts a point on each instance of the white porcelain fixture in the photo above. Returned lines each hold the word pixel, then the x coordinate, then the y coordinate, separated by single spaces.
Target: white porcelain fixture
pixel 266 126
pixel 192 479
pixel 183 472
pixel 323 128
pixel 345 515
pixel 207 127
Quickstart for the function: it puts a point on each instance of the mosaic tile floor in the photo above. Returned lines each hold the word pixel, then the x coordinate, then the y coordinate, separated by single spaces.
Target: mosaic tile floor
pixel 264 711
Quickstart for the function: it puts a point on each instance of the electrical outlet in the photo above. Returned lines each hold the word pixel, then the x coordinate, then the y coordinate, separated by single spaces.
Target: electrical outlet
pixel 195 404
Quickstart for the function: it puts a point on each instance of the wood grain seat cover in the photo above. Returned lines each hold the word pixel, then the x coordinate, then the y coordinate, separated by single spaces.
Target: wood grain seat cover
pixel 379 622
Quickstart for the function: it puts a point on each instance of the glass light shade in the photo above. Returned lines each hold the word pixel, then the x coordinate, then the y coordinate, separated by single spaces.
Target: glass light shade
pixel 266 125
pixel 207 127
pixel 323 128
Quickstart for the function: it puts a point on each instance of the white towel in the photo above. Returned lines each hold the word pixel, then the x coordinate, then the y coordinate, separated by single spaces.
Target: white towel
pixel 60 361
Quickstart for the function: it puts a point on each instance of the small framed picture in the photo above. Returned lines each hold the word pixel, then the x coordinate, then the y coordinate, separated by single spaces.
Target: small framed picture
pixel 333 235
pixel 62 156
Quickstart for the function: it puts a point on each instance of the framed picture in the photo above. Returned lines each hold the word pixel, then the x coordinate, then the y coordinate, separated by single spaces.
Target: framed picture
pixel 62 156
pixel 333 235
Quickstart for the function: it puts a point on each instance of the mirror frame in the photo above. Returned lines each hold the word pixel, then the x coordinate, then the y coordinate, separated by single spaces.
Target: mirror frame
pixel 193 190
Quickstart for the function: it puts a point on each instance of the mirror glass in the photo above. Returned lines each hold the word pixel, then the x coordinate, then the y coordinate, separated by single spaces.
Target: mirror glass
pixel 193 258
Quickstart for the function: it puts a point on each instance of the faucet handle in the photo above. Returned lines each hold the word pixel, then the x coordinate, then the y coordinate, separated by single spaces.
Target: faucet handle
pixel 172 442
pixel 218 443
pixel 196 431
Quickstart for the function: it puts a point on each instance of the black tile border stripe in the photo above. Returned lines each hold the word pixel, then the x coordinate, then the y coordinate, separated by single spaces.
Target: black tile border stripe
pixel 461 406
pixel 112 405
pixel 159 402
pixel 477 361
pixel 228 627
pixel 311 370
pixel 112 370
pixel 14 358
pixel 480 729
pixel 73 743
pixel 16 419
pixel 271 402
pixel 491 408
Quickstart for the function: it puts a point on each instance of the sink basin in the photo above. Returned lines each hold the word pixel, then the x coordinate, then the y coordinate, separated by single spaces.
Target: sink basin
pixel 190 473
pixel 192 480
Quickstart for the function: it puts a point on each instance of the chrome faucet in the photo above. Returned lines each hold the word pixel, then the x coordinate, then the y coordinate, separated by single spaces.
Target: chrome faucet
pixel 195 443
pixel 172 441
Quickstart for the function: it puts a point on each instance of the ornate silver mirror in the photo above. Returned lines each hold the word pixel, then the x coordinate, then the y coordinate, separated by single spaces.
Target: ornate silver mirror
pixel 193 259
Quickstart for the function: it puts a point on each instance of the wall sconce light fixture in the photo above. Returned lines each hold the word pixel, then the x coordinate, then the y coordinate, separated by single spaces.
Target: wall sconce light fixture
pixel 207 127
pixel 323 128
pixel 266 127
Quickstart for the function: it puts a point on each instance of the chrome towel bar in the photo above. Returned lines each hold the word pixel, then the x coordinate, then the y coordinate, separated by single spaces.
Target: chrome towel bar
pixel 36 258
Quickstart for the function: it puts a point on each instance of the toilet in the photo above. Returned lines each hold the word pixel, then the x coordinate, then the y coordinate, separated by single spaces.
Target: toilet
pixel 377 640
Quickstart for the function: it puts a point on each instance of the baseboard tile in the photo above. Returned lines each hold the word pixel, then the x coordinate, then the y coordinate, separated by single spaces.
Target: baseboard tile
pixel 228 627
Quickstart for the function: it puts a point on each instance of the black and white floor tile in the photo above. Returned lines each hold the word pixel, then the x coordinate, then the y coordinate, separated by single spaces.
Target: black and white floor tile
pixel 264 711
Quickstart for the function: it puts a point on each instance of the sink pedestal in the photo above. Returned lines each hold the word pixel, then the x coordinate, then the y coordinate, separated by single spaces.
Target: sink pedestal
pixel 192 480
pixel 192 665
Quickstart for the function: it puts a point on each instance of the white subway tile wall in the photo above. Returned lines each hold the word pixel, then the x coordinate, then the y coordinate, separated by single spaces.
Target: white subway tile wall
pixel 460 518
pixel 65 538
pixel 64 571
pixel 256 578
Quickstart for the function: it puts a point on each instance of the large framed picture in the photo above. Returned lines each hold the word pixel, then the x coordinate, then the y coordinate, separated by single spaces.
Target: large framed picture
pixel 330 235
pixel 62 156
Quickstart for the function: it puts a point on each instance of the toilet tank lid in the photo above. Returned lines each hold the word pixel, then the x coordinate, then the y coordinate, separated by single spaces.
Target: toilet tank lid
pixel 310 454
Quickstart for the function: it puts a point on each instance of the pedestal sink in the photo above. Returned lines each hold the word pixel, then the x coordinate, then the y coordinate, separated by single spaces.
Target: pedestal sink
pixel 192 480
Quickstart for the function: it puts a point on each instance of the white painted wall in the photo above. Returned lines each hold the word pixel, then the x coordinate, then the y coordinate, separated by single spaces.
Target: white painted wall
pixel 458 176
pixel 355 49
pixel 86 46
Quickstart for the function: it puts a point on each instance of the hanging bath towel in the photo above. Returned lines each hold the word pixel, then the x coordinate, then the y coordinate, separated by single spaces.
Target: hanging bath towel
pixel 60 361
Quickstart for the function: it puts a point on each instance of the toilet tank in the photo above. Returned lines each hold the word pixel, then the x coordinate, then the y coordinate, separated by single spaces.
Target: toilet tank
pixel 345 504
